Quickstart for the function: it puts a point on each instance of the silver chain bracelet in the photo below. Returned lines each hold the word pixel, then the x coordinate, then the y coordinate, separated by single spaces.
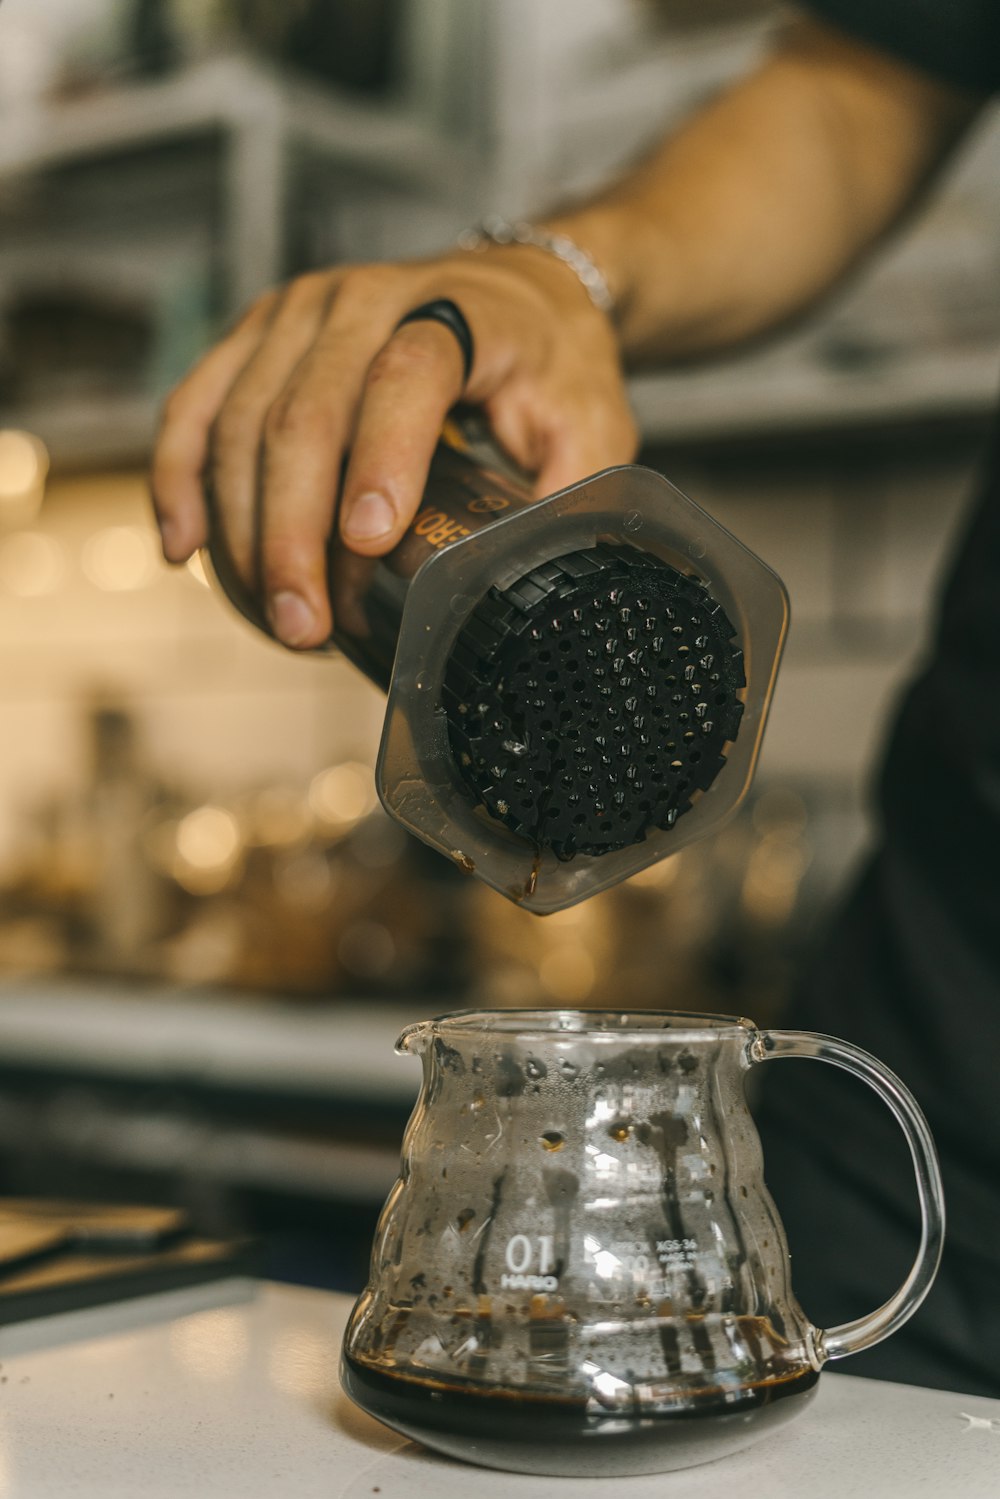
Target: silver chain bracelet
pixel 498 231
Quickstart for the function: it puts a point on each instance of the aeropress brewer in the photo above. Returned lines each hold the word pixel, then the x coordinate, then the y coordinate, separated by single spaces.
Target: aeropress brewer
pixel 576 687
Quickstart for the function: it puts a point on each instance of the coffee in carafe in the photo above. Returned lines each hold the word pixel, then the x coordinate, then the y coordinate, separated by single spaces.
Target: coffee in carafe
pixel 580 1269
pixel 543 1434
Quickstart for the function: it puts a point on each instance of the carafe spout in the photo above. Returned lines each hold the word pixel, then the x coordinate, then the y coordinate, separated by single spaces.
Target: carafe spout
pixel 413 1040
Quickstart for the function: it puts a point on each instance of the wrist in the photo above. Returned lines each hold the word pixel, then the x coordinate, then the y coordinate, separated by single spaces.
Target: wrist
pixel 622 242
pixel 581 231
pixel 557 285
pixel 500 231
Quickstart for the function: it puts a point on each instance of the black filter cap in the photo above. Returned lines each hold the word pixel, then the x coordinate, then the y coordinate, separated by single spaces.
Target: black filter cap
pixel 589 701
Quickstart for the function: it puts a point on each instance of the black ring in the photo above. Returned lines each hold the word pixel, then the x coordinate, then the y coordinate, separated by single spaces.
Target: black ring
pixel 450 316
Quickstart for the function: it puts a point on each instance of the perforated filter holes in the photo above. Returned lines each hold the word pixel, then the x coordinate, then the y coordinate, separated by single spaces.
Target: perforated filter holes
pixel 589 701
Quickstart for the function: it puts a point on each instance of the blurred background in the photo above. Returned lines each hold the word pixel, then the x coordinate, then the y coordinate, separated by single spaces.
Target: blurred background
pixel 209 932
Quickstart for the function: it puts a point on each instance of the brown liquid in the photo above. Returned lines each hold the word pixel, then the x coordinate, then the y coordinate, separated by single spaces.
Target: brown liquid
pixel 527 1433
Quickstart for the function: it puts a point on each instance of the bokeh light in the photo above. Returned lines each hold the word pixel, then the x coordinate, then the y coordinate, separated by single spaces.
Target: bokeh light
pixel 119 559
pixel 207 837
pixel 341 796
pixel 277 817
pixel 24 464
pixel 208 848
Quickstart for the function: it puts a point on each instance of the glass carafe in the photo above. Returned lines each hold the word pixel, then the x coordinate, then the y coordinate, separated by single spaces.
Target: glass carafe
pixel 580 1269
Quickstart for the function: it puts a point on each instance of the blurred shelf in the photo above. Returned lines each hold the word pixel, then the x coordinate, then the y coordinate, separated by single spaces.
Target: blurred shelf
pixel 93 1133
pixel 238 93
pixel 266 123
pixel 236 1092
pixel 770 396
pixel 267 119
pixel 227 1042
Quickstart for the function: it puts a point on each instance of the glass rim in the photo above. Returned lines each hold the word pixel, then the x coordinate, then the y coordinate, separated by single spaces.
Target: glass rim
pixel 593 1025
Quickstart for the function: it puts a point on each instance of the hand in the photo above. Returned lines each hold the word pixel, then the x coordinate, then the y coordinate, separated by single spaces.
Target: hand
pixel 314 372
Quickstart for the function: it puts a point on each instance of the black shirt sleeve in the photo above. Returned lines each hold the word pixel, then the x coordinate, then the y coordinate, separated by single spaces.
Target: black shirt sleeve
pixel 955 41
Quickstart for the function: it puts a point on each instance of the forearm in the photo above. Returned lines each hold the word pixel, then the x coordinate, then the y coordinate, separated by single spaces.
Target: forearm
pixel 735 223
pixel 763 200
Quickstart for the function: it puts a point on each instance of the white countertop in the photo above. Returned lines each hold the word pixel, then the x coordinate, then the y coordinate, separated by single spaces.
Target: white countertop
pixel 231 1392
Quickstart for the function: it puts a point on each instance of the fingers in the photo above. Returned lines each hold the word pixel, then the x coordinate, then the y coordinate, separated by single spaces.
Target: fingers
pixel 317 371
pixel 574 453
pixel 235 447
pixel 307 432
pixel 412 384
pixel 181 445
pixel 564 438
pixel 305 436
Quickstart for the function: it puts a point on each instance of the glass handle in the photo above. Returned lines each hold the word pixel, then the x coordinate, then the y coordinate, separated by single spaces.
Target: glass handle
pixel 851 1337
